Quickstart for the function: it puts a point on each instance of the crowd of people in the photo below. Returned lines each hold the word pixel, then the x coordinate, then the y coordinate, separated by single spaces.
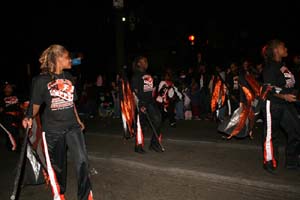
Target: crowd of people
pixel 182 94
pixel 235 96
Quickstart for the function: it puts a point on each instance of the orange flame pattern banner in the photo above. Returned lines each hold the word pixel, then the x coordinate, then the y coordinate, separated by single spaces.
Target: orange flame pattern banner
pixel 219 90
pixel 128 106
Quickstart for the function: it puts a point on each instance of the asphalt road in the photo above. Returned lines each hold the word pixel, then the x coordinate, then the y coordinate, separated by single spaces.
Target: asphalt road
pixel 198 165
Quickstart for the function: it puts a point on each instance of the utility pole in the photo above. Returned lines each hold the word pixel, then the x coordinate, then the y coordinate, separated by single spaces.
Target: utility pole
pixel 119 33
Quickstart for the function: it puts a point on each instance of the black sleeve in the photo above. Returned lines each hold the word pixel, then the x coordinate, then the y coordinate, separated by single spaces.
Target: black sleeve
pixel 36 94
pixel 270 77
pixel 29 111
pixel 135 85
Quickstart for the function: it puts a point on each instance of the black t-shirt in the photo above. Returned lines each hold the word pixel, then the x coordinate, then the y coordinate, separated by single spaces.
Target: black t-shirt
pixel 278 75
pixel 10 103
pixel 58 96
pixel 11 112
pixel 143 86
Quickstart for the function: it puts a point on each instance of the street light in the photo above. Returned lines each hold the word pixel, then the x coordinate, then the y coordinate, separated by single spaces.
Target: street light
pixel 192 39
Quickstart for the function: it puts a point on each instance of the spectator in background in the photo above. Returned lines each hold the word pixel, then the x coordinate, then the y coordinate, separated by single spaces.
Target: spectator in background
pixel 179 107
pixel 115 92
pixel 189 76
pixel 168 96
pixel 104 97
pixel 195 98
pixel 88 102
pixel 11 116
pixel 187 107
pixel 232 81
pixel 204 104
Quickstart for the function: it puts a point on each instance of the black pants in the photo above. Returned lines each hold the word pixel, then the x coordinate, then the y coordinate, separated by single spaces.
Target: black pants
pixel 278 116
pixel 169 113
pixel 72 139
pixel 11 123
pixel 155 117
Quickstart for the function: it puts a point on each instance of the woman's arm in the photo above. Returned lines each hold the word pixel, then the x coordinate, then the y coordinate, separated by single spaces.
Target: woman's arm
pixel 27 121
pixel 78 119
pixel 286 97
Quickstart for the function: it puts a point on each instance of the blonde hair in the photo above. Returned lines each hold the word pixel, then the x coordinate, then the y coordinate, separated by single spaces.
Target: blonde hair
pixel 49 56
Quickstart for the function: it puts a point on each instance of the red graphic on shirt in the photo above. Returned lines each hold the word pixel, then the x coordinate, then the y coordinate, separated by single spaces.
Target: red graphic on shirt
pixel 148 83
pixel 289 77
pixel 62 92
pixel 11 100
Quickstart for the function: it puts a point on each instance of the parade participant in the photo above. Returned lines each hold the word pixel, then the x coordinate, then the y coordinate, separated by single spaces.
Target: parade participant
pixel 279 109
pixel 203 78
pixel 240 124
pixel 219 95
pixel 232 80
pixel 62 128
pixel 142 84
pixel 167 97
pixel 11 116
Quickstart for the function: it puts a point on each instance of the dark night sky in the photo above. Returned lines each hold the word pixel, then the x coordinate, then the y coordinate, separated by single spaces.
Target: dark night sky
pixel 87 26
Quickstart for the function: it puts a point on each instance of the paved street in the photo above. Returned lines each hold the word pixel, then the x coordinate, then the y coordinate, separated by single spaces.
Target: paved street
pixel 197 165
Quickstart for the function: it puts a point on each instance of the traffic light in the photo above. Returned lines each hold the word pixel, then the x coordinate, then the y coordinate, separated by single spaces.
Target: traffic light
pixel 192 39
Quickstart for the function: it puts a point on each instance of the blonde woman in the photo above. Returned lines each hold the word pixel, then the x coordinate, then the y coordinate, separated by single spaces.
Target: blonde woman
pixel 61 125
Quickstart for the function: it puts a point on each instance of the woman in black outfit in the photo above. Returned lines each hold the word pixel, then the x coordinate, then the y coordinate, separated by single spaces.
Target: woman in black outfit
pixel 62 127
pixel 279 108
pixel 143 87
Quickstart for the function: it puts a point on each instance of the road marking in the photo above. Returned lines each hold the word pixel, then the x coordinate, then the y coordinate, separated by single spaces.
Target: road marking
pixel 210 177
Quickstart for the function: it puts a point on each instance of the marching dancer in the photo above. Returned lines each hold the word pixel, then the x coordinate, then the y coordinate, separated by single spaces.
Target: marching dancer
pixel 142 84
pixel 62 127
pixel 279 109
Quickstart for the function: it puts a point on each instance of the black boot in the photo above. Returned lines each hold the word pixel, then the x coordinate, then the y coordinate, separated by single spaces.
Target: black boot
pixel 139 149
pixel 156 147
pixel 268 166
